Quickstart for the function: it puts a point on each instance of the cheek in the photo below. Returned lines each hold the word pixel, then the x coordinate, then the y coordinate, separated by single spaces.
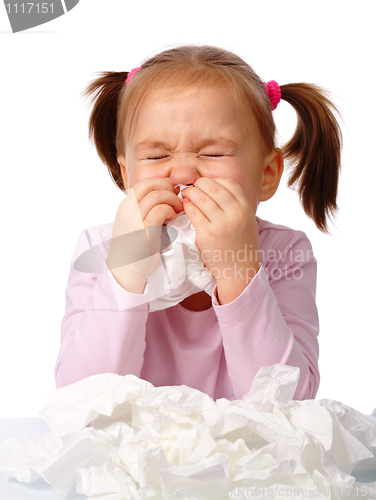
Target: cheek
pixel 134 176
pixel 251 195
pixel 138 174
pixel 250 186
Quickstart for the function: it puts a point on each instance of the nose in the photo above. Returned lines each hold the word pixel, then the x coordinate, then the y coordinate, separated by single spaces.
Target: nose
pixel 184 172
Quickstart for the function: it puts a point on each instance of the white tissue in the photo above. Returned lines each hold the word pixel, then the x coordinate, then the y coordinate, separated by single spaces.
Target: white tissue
pixel 148 442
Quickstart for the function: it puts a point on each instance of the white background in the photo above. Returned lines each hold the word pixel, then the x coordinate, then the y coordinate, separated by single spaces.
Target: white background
pixel 53 185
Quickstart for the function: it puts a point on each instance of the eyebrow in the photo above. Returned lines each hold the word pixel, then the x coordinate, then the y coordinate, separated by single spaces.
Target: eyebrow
pixel 150 144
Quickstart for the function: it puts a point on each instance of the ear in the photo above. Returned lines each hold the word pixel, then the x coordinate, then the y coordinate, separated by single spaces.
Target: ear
pixel 273 169
pixel 124 175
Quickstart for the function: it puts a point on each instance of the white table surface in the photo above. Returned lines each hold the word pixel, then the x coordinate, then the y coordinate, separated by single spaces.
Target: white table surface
pixel 23 428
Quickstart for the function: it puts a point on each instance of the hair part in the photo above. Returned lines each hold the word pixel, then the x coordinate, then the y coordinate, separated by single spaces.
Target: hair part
pixel 313 151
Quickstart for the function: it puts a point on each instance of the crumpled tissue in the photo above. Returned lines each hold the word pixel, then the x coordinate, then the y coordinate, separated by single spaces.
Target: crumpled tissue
pixel 185 271
pixel 120 438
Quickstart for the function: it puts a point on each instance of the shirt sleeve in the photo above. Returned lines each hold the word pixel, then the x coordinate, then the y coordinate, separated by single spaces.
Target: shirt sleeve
pixel 275 319
pixel 97 335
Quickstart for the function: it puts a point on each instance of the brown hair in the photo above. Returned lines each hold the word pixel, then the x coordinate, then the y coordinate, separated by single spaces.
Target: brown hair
pixel 314 150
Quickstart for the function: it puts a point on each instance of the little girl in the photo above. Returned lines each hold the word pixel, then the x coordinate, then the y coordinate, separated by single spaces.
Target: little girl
pixel 200 118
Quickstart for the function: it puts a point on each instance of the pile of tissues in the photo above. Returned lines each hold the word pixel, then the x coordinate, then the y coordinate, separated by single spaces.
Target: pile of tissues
pixel 120 438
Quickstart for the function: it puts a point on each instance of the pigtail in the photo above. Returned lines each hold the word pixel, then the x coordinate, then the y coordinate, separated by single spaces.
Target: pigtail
pixel 314 151
pixel 104 93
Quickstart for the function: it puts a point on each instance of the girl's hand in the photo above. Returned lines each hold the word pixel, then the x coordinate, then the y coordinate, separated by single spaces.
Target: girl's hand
pixel 226 231
pixel 132 257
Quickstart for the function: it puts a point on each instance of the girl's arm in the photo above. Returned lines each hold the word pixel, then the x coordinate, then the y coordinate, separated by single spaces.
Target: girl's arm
pixel 275 319
pixel 97 337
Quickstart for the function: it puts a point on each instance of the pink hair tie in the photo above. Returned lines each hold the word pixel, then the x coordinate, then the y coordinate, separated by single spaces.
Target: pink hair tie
pixel 131 73
pixel 274 93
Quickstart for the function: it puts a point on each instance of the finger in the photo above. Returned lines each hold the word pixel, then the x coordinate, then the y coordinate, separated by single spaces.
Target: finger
pixel 159 197
pixel 158 214
pixel 147 185
pixel 231 186
pixel 132 212
pixel 203 198
pixel 197 217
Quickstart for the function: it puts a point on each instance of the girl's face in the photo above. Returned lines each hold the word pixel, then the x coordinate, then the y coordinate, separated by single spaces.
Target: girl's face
pixel 198 132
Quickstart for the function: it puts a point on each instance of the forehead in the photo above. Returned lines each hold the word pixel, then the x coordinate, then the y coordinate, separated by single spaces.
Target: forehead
pixel 212 105
pixel 212 101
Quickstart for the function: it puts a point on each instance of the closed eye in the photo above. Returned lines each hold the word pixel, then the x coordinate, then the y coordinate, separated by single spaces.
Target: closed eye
pixel 166 156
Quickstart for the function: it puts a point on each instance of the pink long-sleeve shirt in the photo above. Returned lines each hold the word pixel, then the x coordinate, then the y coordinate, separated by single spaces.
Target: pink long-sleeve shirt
pixel 218 351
